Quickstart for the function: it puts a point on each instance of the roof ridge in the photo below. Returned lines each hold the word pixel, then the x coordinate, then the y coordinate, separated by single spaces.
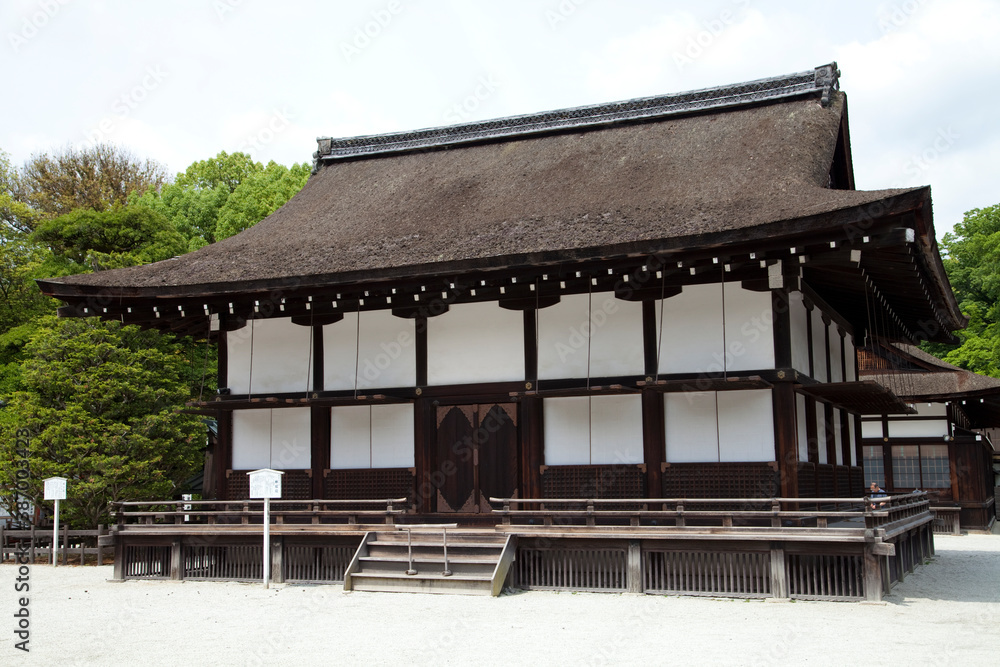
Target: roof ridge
pixel 824 79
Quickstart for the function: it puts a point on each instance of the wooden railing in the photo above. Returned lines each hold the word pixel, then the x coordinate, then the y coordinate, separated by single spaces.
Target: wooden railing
pixel 893 512
pixel 242 512
pixel 38 542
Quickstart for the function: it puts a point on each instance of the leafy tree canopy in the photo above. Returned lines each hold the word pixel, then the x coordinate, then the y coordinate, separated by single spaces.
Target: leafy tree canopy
pixel 259 196
pixel 96 178
pixel 972 261
pixel 99 408
pixel 15 215
pixel 94 240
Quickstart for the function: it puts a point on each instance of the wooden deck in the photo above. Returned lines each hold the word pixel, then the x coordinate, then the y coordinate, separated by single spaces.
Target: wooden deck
pixel 815 548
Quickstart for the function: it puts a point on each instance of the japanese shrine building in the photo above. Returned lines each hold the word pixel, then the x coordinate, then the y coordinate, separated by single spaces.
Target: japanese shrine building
pixel 661 297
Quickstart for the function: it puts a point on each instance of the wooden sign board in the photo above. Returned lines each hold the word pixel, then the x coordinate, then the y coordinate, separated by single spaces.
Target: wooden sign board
pixel 265 483
pixel 55 488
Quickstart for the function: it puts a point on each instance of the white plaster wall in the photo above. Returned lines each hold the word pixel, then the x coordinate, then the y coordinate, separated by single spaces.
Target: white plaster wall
pixel 749 329
pixel 392 436
pixel 819 346
pixel 799 317
pixel 350 437
pixel 251 439
pixel 802 427
pixel 852 359
pixel 871 428
pixel 691 426
pixel 385 357
pixel 691 335
pixel 931 409
pixel 616 429
pixel 272 438
pixel 475 342
pixel 911 428
pixel 567 430
pixel 614 328
pixel 746 425
pixel 281 357
pixel 821 431
pixel 854 440
pixel 838 436
pixel 291 441
pixel 836 355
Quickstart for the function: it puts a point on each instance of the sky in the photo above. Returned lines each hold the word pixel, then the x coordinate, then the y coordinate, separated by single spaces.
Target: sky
pixel 180 81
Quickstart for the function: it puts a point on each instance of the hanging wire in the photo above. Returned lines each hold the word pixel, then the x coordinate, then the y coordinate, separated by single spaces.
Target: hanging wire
pixel 250 378
pixel 590 399
pixel 204 363
pixel 538 316
pixel 659 337
pixel 725 351
pixel 357 350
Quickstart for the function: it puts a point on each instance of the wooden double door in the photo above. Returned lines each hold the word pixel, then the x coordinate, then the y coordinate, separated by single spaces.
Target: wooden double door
pixel 476 456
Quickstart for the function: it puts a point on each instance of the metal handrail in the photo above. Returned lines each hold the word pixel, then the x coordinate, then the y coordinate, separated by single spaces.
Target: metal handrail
pixel 427 527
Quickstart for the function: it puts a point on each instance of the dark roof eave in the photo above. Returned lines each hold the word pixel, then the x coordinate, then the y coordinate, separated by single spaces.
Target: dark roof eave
pixel 841 222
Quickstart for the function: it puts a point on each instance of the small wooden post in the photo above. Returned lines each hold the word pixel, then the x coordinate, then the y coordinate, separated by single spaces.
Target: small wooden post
pixel 634 567
pixel 32 547
pixel 872 575
pixel 101 531
pixel 277 559
pixel 65 544
pixel 119 573
pixel 83 550
pixel 176 560
pixel 779 577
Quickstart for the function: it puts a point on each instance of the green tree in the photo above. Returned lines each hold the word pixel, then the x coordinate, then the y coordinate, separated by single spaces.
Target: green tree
pixel 97 178
pixel 15 215
pixel 85 240
pixel 193 201
pixel 259 196
pixel 99 408
pixel 972 261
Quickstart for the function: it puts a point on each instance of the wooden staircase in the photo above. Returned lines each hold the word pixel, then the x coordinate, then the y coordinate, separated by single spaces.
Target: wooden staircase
pixel 477 562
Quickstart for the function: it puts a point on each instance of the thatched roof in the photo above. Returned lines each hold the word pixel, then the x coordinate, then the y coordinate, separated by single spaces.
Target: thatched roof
pixel 694 170
pixel 927 377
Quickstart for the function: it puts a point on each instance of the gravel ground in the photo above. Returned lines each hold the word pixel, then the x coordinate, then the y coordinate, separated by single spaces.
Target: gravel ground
pixel 948 612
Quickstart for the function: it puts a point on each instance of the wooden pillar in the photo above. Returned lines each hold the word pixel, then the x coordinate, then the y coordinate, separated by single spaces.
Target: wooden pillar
pixel 222 460
pixel 277 559
pixel 420 350
pixel 634 567
pixel 176 559
pixel 119 571
pixel 320 447
pixel 779 576
pixel 532 447
pixel 65 544
pixel 223 356
pixel 649 340
pixel 530 346
pixel 782 319
pixel 786 447
pixel 317 358
pixel 653 441
pixel 423 442
pixel 872 575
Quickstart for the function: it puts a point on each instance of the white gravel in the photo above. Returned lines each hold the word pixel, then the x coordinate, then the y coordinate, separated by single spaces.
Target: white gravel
pixel 948 612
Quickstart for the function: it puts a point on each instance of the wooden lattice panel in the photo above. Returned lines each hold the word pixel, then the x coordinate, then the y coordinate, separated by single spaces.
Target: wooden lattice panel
pixel 824 481
pixel 825 577
pixel 599 481
pixel 716 573
pixel 593 569
pixel 843 474
pixel 295 485
pixel 146 562
pixel 720 480
pixel 234 562
pixel 316 563
pixel 366 484
pixel 807 480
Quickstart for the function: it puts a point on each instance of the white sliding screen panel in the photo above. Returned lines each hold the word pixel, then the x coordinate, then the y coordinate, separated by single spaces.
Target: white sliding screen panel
pixel 691 426
pixel 384 355
pixel 802 427
pixel 836 355
pixel 614 330
pixel 746 425
pixel 281 357
pixel 819 346
pixel 350 437
pixel 852 359
pixel 821 427
pixel 371 436
pixel 616 429
pixel 272 438
pixel 799 318
pixel 749 329
pixel 691 335
pixel 567 430
pixel 475 342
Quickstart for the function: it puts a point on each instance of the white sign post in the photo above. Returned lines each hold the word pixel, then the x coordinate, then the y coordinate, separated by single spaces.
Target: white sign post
pixel 55 489
pixel 266 483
